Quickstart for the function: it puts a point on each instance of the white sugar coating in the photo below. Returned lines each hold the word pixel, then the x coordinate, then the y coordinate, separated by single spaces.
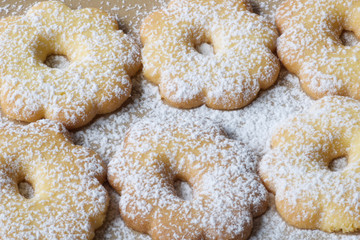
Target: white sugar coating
pixel 114 227
pixel 222 172
pixel 205 49
pixel 311 45
pixel 272 227
pixel 57 61
pixel 266 9
pixel 348 38
pixel 297 168
pixel 65 200
pixel 183 190
pixel 338 164
pixel 96 81
pixel 252 125
pixel 243 61
pixel 272 106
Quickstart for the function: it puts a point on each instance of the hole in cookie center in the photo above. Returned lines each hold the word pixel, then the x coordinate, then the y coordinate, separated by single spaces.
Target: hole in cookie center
pixel 206 49
pixel 348 38
pixel 338 164
pixel 183 190
pixel 57 61
pixel 26 190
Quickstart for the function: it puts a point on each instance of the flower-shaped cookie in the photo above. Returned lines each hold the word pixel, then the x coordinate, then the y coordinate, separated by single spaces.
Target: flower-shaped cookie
pixel 231 77
pixel 308 193
pixel 102 59
pixel 310 45
pixel 69 201
pixel 222 172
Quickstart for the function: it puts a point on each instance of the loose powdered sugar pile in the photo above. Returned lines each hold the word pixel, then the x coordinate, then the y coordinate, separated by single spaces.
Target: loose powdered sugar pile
pixel 252 125
pixel 57 61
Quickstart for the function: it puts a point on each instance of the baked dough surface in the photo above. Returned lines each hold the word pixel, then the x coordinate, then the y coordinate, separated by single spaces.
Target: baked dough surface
pixel 242 63
pixel 69 201
pixel 97 81
pixel 227 192
pixel 308 194
pixel 310 45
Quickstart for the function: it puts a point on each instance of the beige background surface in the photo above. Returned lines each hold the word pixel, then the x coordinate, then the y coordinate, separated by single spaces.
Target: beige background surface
pixel 252 125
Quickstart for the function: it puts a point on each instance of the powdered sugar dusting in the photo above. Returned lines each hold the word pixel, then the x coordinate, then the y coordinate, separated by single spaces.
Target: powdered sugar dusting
pixel 222 173
pixel 96 81
pixel 271 226
pixel 311 45
pixel 205 49
pixel 252 125
pixel 338 164
pixel 348 38
pixel 66 200
pixel 309 193
pixel 57 61
pixel 183 190
pixel 243 61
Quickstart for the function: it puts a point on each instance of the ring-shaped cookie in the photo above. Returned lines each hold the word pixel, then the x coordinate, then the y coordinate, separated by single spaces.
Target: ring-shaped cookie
pixel 69 201
pixel 310 45
pixel 222 172
pixel 308 193
pixel 242 63
pixel 97 81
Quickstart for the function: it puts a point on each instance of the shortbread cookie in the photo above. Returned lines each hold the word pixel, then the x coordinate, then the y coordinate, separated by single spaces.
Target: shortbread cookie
pixel 102 59
pixel 69 201
pixel 310 45
pixel 230 78
pixel 222 173
pixel 309 194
